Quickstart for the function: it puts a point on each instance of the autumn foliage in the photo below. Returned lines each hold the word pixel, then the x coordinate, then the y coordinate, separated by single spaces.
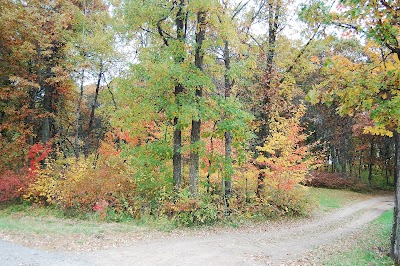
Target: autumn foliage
pixel 285 155
pixel 13 185
pixel 206 122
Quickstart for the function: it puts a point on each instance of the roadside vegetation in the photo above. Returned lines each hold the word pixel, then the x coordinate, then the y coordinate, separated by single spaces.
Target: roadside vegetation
pixel 53 229
pixel 372 249
pixel 36 219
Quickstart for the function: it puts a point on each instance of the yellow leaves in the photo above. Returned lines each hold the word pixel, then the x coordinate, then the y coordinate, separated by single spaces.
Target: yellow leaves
pixel 287 158
pixel 392 63
pixel 378 130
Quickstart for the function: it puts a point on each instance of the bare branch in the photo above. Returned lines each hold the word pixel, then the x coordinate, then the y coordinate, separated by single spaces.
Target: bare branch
pixel 302 51
pixel 161 32
pixel 238 9
pixel 111 93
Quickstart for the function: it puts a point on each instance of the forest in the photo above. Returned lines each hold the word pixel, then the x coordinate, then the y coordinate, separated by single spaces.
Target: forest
pixel 197 110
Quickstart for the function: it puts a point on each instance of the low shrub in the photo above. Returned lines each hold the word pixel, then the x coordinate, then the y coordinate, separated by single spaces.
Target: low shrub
pixel 189 211
pixel 78 186
pixel 335 181
pixel 295 202
pixel 13 185
pixel 275 203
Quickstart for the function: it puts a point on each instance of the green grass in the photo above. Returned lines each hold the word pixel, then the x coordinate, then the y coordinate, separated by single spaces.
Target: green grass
pixel 331 199
pixel 372 249
pixel 47 220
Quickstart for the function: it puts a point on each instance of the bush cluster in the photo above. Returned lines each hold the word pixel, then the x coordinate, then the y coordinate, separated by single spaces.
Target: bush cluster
pixel 112 189
pixel 335 181
pixel 275 203
pixel 189 211
pixel 79 186
pixel 13 185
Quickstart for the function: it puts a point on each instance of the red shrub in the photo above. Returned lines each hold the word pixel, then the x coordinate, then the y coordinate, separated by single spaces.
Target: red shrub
pixel 327 180
pixel 13 185
pixel 37 153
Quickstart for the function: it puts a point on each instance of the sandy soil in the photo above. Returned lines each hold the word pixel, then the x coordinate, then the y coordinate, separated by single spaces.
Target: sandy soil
pixel 274 243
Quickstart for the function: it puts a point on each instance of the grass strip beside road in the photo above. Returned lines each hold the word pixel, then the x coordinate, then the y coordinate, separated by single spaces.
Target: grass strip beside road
pixel 331 199
pixel 372 246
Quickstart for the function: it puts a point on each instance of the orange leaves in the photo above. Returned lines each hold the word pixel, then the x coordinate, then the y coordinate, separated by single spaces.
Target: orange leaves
pixel 78 185
pixel 286 157
pixel 108 146
pixel 126 136
pixel 315 60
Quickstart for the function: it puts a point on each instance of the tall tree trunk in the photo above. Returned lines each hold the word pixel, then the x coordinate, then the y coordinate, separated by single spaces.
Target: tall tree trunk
pixel 77 117
pixel 46 101
pixel 228 169
pixel 395 241
pixel 274 12
pixel 177 156
pixel 273 20
pixel 177 141
pixel 94 106
pixel 396 155
pixel 196 123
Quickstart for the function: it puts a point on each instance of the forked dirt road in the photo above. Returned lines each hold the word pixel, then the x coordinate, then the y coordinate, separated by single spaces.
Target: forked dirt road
pixel 271 244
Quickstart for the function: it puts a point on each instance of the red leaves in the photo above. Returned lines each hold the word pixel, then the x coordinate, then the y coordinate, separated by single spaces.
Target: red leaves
pixel 100 206
pixel 12 185
pixel 36 154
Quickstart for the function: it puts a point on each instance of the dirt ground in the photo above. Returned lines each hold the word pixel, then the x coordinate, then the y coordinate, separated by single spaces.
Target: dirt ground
pixel 299 242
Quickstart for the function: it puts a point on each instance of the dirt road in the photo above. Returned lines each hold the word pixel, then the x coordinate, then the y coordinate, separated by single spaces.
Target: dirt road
pixel 269 244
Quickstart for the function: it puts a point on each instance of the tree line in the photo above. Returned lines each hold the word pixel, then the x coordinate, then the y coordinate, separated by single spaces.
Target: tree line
pixel 196 110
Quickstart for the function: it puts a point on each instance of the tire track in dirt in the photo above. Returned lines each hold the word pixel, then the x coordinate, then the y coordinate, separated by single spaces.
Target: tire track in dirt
pixel 269 246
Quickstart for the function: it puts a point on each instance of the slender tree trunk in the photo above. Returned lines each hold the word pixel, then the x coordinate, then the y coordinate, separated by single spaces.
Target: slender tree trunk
pixel 273 20
pixel 350 162
pixel 196 123
pixel 396 155
pixel 228 169
pixel 395 241
pixel 177 141
pixel 359 165
pixel 94 106
pixel 260 185
pixel 332 160
pixel 343 166
pixel 45 90
pixel 177 156
pixel 194 157
pixel 387 172
pixel 77 117
pixel 210 163
pixel 370 164
pixel 46 119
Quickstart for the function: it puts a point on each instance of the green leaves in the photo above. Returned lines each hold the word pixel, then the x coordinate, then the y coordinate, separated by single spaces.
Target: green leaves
pixel 313 96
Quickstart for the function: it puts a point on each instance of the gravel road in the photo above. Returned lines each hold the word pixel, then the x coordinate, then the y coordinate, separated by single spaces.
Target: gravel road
pixel 274 244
